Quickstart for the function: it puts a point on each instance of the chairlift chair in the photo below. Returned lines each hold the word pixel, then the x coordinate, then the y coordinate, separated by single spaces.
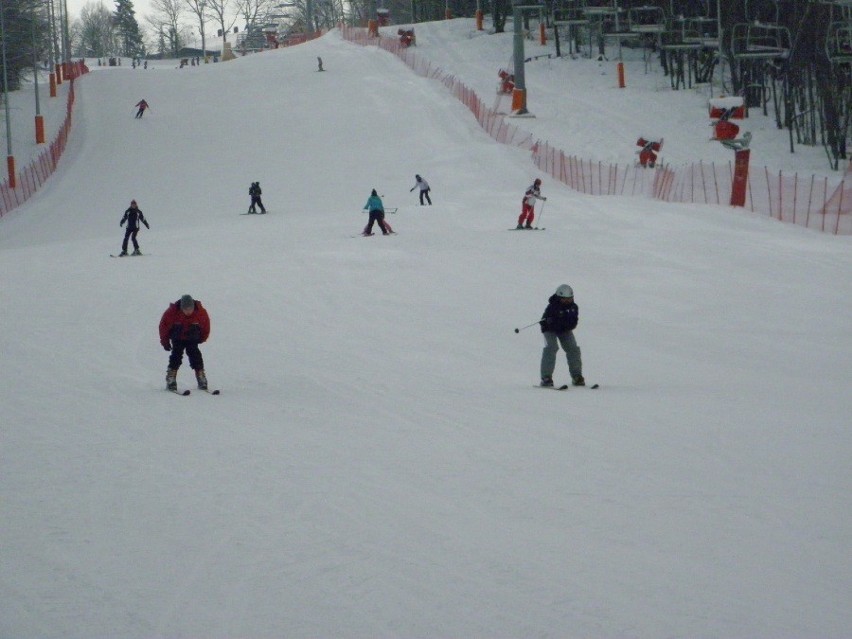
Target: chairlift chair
pixel 646 20
pixel 760 41
pixel 600 7
pixel 838 43
pixel 701 30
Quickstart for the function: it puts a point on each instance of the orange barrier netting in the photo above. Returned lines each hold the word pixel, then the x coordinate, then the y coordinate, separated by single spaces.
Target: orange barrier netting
pixel 809 202
pixel 35 174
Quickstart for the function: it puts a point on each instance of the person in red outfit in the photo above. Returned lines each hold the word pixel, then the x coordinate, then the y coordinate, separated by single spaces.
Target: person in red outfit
pixel 528 205
pixel 142 106
pixel 184 326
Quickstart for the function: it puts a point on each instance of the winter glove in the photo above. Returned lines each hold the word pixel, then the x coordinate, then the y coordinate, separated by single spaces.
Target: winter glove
pixel 411 189
pixel 165 344
pixel 121 223
pixel 147 226
pixel 544 198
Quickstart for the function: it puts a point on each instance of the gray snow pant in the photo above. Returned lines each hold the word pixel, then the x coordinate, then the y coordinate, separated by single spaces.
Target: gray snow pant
pixel 572 353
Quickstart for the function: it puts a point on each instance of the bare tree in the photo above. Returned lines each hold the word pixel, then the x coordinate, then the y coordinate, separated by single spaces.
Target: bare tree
pixel 220 10
pixel 252 10
pixel 199 9
pixel 97 36
pixel 166 22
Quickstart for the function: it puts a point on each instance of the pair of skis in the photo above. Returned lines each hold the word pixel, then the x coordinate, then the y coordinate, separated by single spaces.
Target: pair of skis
pixel 565 387
pixel 184 393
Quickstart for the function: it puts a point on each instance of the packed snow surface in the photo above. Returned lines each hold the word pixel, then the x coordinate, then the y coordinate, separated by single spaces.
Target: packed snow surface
pixel 378 463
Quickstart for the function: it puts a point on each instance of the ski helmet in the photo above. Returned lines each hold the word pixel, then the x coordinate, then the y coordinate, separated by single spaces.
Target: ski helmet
pixel 564 291
pixel 187 303
pixel 537 181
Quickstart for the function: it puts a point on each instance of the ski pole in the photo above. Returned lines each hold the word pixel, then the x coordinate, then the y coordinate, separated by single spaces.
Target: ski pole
pixel 541 213
pixel 518 330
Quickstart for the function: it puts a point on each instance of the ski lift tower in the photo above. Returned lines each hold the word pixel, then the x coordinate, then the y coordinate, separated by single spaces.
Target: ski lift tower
pixel 519 93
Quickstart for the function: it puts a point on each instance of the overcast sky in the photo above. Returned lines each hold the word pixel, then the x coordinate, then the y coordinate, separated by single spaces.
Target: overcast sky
pixel 142 7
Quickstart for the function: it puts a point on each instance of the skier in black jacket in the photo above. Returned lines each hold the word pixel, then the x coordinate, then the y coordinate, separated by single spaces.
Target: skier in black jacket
pixel 255 193
pixel 557 324
pixel 133 216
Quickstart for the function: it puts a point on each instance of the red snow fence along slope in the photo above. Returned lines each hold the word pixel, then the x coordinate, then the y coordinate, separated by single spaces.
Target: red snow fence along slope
pixel 807 201
pixel 30 178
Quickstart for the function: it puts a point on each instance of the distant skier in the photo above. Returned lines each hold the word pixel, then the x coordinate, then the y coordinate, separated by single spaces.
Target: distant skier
pixel 142 106
pixel 377 214
pixel 255 193
pixel 184 326
pixel 424 189
pixel 528 205
pixel 557 324
pixel 133 216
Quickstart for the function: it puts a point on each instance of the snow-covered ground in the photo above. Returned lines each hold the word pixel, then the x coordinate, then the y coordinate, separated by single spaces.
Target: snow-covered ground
pixel 379 464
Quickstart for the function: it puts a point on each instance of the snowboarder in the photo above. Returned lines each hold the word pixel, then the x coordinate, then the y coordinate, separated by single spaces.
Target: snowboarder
pixel 377 214
pixel 424 189
pixel 528 204
pixel 133 216
pixel 142 106
pixel 557 325
pixel 184 326
pixel 255 193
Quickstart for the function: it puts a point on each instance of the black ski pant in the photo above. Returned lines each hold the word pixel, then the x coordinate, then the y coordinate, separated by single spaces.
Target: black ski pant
pixel 140 113
pixel 255 200
pixel 376 216
pixel 196 362
pixel 425 193
pixel 130 234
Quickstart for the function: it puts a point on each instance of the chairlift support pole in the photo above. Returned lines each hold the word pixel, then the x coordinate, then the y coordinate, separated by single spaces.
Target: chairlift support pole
pixel 519 93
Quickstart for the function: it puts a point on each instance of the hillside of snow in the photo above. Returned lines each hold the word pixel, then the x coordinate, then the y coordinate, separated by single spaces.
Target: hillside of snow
pixel 378 463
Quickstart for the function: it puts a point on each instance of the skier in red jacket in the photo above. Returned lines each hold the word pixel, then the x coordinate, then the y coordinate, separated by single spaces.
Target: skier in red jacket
pixel 184 326
pixel 142 106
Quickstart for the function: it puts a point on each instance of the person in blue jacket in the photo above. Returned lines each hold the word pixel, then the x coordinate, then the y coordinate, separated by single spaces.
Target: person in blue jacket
pixel 377 214
pixel 557 325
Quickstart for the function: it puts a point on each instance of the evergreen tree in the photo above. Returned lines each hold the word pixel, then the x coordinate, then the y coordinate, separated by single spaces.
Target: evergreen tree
pixel 128 29
pixel 24 27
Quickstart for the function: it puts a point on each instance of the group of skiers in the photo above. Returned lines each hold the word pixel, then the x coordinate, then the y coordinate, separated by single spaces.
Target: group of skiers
pixel 185 324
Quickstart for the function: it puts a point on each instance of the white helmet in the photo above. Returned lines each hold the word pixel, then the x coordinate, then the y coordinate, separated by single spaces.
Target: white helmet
pixel 564 291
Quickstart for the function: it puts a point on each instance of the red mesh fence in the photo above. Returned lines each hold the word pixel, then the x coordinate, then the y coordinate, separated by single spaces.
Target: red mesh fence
pixel 32 176
pixel 807 201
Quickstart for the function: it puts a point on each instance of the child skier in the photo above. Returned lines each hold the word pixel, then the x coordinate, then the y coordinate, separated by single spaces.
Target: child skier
pixel 528 205
pixel 557 325
pixel 133 216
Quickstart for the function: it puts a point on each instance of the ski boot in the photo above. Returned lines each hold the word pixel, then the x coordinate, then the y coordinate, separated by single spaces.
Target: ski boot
pixel 136 252
pixel 519 227
pixel 547 382
pixel 171 379
pixel 201 378
pixel 578 380
pixel 529 225
pixel 123 254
